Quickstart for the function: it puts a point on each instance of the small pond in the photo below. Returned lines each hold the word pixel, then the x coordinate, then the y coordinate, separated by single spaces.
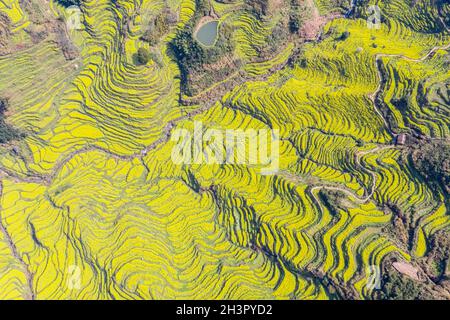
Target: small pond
pixel 207 34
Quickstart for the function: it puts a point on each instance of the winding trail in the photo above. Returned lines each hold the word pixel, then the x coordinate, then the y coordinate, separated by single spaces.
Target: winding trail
pixel 374 177
pixel 373 96
pixel 294 178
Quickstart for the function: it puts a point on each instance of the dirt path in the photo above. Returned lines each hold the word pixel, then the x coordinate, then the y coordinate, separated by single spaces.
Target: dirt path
pixel 407 269
pixel 311 27
pixel 348 192
pixel 314 11
pixel 373 96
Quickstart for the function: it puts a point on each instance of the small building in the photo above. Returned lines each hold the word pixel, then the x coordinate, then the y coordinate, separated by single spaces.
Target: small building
pixel 400 139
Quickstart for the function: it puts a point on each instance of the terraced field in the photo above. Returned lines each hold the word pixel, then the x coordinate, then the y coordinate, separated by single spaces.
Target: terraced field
pixel 92 205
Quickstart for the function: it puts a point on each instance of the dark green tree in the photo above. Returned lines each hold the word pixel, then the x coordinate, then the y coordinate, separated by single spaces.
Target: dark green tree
pixel 68 3
pixel 143 56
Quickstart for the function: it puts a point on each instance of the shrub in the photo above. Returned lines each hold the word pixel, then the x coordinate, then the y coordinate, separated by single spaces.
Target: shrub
pixel 258 7
pixel 294 23
pixel 332 200
pixel 143 56
pixel 432 161
pixel 68 3
pixel 344 36
pixel 7 133
pixel 398 287
pixel 156 29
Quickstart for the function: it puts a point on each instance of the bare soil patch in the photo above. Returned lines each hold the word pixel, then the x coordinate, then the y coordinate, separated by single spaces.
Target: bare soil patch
pixel 407 269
